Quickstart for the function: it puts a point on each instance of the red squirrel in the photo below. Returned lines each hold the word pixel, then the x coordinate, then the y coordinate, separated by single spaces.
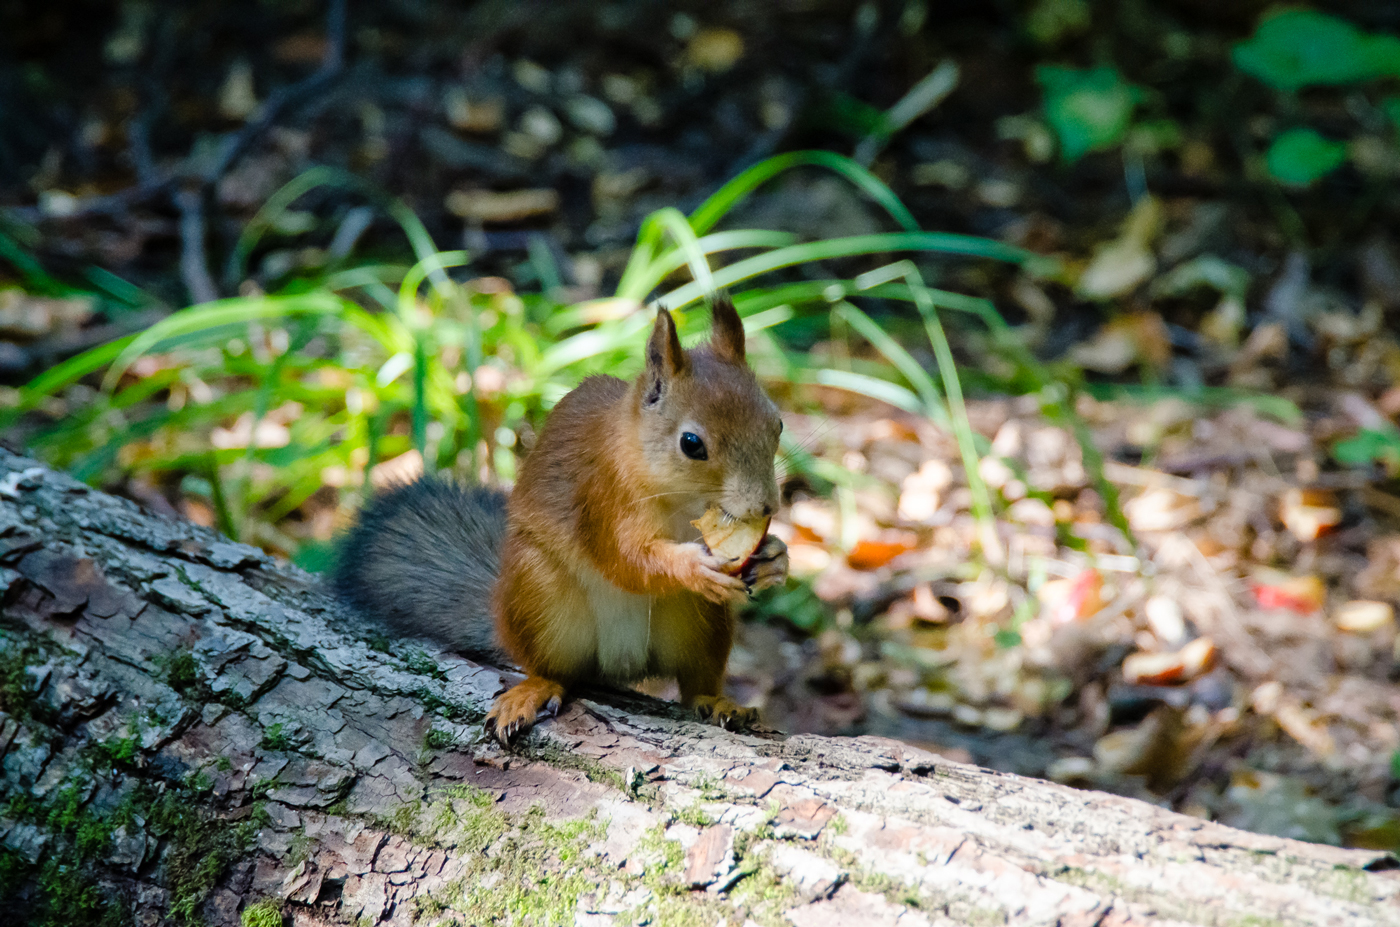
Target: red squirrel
pixel 592 568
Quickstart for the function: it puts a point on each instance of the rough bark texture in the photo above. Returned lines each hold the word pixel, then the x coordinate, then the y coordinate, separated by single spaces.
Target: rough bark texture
pixel 191 731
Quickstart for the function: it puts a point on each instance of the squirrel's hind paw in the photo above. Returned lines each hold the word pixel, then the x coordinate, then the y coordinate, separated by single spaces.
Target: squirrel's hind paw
pixel 517 710
pixel 725 712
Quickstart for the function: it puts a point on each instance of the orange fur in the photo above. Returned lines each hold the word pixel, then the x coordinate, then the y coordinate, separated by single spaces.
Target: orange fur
pixel 602 575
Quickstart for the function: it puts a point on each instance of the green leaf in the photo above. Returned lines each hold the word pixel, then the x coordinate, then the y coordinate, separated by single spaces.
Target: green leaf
pixel 1368 446
pixel 1088 110
pixel 1007 638
pixel 1391 107
pixel 1300 157
pixel 1301 48
pixel 844 113
pixel 735 191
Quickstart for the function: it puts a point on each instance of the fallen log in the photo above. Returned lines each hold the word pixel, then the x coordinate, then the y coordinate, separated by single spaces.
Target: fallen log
pixel 191 731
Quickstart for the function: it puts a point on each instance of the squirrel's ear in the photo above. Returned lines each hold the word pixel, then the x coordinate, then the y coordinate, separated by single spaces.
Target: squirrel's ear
pixel 665 356
pixel 727 329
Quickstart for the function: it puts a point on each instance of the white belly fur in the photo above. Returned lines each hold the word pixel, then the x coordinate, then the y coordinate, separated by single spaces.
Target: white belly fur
pixel 623 620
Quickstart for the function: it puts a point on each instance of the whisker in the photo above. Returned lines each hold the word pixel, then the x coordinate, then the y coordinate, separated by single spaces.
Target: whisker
pixel 821 430
pixel 682 492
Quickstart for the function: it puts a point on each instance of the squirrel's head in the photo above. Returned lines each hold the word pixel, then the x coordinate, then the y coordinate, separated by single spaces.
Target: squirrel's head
pixel 709 432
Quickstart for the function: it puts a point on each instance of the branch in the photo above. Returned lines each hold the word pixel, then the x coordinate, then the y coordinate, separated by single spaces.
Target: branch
pixel 191 727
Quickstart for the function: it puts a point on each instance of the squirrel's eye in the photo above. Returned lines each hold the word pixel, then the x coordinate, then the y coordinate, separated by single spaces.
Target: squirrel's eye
pixel 693 447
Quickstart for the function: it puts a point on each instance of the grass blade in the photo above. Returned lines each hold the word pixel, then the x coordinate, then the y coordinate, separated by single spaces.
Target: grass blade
pixel 212 315
pixel 902 360
pixel 737 190
pixel 853 246
pixel 871 387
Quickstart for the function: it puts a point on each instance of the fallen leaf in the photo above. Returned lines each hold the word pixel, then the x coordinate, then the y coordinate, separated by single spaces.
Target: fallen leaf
pixel 396 471
pixel 1198 657
pixel 1161 509
pixel 873 554
pixel 507 206
pixel 1121 265
pixel 1309 513
pixel 1301 594
pixel 1155 669
pixel 473 114
pixel 714 50
pixel 1165 619
pixel 1304 727
pixel 921 493
pixel 1362 616
pixel 1064 601
pixel 1136 338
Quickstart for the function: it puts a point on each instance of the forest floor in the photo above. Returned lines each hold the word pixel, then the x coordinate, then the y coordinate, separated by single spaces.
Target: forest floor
pixel 1233 655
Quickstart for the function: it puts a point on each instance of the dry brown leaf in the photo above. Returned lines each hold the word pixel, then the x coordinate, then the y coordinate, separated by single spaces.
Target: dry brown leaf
pixel 873 554
pixel 921 493
pixel 1113 350
pixel 507 206
pixel 1158 669
pixel 1121 265
pixel 1302 726
pixel 1154 669
pixel 1309 513
pixel 1161 509
pixel 1198 657
pixel 396 471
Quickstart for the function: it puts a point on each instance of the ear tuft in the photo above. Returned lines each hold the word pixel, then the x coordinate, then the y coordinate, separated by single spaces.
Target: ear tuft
pixel 727 329
pixel 665 357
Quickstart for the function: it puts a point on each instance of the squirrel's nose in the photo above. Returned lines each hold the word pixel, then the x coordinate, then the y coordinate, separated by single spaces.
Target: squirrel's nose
pixel 767 510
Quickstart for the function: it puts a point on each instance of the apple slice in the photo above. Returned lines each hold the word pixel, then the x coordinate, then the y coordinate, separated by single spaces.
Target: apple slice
pixel 731 539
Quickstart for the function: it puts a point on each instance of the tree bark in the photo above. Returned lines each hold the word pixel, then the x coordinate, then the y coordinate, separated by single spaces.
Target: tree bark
pixel 192 731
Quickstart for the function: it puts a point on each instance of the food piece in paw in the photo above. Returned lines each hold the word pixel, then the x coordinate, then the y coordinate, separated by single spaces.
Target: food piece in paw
pixel 731 539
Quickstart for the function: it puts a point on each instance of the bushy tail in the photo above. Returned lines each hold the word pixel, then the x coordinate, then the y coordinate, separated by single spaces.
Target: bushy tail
pixel 421 562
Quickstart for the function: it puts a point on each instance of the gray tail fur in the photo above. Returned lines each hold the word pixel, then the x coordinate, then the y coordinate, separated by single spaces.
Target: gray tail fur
pixel 421 562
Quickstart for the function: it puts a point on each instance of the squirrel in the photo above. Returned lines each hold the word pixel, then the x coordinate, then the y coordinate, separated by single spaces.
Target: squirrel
pixel 591 567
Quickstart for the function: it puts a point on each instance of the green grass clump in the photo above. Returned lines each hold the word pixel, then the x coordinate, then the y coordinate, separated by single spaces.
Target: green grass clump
pixel 256 403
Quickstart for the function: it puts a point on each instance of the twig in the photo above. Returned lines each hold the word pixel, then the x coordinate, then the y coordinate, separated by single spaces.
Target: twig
pixel 234 147
pixel 194 266
pixel 237 144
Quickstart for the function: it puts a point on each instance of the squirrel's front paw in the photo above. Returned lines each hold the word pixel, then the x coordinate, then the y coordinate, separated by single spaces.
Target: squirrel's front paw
pixel 725 712
pixel 705 577
pixel 768 566
pixel 517 709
